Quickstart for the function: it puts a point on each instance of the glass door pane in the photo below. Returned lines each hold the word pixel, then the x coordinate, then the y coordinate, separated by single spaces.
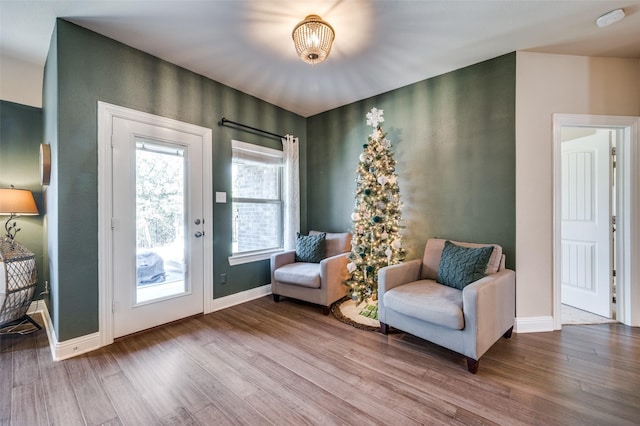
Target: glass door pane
pixel 160 221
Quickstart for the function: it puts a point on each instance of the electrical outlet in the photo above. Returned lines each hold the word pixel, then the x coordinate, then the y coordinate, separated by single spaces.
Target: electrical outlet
pixel 46 288
pixel 223 278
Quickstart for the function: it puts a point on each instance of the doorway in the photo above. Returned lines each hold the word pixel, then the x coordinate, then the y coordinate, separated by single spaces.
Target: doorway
pixel 588 220
pixel 594 192
pixel 155 221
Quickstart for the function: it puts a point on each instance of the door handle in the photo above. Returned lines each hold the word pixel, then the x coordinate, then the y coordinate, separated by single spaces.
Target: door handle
pixel 199 234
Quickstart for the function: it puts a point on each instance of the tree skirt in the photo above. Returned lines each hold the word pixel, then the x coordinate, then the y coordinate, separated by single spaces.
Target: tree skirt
pixel 363 316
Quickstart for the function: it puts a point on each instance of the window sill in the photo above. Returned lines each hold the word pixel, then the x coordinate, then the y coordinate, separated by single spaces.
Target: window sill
pixel 239 259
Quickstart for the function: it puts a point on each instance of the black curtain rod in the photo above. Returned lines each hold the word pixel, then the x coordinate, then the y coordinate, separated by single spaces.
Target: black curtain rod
pixel 224 121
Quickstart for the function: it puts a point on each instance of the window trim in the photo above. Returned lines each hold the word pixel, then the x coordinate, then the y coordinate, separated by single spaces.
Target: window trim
pixel 267 156
pixel 254 256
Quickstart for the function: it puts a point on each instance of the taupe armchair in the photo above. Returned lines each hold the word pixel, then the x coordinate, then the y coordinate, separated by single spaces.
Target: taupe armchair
pixel 319 283
pixel 468 320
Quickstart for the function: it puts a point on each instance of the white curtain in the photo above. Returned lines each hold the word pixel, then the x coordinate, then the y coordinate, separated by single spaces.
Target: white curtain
pixel 291 191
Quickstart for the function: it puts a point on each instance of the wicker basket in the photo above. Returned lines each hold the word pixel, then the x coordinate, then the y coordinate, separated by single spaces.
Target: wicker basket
pixel 18 281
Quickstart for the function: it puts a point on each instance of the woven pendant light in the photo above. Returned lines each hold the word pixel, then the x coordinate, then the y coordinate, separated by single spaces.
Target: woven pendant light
pixel 313 38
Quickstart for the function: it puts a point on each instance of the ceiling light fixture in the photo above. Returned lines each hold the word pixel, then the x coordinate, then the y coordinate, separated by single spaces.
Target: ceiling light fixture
pixel 610 18
pixel 313 38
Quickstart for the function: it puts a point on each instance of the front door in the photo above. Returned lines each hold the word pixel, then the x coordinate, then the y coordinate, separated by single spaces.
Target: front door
pixel 586 228
pixel 157 223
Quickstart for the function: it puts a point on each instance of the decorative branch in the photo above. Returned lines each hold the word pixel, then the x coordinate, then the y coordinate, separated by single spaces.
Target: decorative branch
pixel 11 228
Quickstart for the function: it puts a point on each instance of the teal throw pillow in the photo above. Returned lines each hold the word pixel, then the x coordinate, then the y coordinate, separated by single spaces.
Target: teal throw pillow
pixel 460 266
pixel 311 248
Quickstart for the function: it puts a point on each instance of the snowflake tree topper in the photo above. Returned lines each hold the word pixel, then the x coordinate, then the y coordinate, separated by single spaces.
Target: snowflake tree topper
pixel 374 118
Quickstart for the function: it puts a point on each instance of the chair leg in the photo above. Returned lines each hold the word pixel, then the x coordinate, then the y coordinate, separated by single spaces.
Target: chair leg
pixel 326 310
pixel 507 334
pixel 384 328
pixel 472 365
pixel 276 297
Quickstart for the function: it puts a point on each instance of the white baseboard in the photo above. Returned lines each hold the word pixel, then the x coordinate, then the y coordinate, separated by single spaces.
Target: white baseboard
pixel 68 348
pixel 238 298
pixel 533 324
pixel 91 342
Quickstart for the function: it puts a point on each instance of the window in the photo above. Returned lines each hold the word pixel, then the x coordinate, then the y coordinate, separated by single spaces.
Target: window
pixel 257 204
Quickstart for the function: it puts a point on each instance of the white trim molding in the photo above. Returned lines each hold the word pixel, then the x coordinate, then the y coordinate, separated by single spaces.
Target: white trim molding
pixel 90 342
pixel 533 324
pixel 240 259
pixel 241 297
pixel 68 348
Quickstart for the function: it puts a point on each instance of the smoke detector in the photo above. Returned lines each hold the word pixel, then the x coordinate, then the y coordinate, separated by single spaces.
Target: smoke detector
pixel 610 18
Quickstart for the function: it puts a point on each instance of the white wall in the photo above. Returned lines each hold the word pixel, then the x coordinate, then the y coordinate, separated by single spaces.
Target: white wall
pixel 548 84
pixel 20 81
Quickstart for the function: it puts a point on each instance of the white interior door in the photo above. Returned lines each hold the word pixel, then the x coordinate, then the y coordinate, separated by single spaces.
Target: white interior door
pixel 586 226
pixel 157 223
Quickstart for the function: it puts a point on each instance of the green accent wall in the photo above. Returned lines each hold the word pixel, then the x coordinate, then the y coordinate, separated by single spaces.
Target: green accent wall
pixel 50 125
pixel 91 68
pixel 20 138
pixel 454 143
pixel 453 137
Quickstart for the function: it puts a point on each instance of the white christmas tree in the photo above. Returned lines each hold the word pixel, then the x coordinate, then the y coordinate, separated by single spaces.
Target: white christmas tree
pixel 377 214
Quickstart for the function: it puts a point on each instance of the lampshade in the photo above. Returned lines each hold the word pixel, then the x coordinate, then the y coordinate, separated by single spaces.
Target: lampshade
pixel 17 201
pixel 313 38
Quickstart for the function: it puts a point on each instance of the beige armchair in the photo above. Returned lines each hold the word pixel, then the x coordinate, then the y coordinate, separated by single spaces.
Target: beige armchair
pixel 468 320
pixel 319 283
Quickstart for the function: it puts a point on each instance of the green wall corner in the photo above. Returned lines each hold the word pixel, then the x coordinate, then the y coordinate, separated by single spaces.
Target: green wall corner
pixel 454 142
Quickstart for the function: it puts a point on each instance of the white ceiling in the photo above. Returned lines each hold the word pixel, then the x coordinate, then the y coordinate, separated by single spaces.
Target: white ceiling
pixel 380 44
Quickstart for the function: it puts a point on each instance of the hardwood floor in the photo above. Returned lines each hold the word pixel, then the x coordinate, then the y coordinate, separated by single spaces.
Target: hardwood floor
pixel 287 364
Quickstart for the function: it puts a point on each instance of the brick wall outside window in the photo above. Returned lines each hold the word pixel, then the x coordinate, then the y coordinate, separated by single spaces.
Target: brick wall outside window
pixel 257 206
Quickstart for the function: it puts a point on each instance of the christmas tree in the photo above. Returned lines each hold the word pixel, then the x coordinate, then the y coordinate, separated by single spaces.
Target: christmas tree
pixel 376 217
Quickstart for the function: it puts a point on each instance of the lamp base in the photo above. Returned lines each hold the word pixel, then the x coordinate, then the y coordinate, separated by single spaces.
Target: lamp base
pixel 10 229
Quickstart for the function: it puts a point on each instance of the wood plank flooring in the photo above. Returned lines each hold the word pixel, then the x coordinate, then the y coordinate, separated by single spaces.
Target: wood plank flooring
pixel 264 363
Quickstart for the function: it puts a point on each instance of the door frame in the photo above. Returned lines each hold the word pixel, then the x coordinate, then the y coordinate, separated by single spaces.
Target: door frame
pixel 627 243
pixel 106 113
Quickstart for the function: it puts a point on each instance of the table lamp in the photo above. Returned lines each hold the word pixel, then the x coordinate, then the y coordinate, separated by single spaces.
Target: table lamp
pixel 15 202
pixel 18 276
